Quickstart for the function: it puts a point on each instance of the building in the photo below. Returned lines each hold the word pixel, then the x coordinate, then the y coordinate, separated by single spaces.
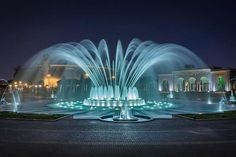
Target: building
pixel 198 80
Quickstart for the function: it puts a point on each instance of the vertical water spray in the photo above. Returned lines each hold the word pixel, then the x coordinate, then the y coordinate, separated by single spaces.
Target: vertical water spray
pixel 114 79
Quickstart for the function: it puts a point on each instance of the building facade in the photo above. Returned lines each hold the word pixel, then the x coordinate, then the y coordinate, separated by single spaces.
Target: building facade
pixel 198 80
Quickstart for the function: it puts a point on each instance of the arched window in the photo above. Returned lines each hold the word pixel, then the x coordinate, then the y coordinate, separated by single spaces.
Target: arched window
pixel 204 84
pixel 192 83
pixel 180 84
pixel 165 86
pixel 220 83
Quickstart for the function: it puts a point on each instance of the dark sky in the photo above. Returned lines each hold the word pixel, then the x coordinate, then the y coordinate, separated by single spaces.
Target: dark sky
pixel 207 27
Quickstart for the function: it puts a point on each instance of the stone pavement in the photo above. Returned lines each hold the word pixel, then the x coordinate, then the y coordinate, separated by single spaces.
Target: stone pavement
pixel 69 137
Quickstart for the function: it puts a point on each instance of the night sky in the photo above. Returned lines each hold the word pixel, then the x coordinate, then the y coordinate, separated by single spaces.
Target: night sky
pixel 208 28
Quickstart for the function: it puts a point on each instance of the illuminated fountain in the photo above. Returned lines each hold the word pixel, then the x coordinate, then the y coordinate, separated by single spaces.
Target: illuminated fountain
pixel 114 77
pixel 111 97
pixel 232 97
pixel 223 99
pixel 16 100
pixel 171 95
pixel 2 98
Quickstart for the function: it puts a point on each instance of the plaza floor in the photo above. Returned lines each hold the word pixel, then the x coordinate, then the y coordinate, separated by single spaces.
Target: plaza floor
pixel 82 134
pixel 164 137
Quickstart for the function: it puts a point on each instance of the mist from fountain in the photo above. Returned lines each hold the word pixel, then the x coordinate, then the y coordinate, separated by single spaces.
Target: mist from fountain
pixel 114 78
pixel 122 72
pixel 14 96
pixel 232 97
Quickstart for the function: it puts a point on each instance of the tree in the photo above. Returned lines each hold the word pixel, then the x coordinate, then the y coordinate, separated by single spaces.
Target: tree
pixel 16 70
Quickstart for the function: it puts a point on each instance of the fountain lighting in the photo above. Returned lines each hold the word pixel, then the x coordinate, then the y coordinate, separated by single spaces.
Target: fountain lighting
pixel 232 97
pixel 114 79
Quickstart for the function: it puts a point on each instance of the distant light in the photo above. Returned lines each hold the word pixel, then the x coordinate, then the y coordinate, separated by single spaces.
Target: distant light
pixel 86 75
pixel 48 75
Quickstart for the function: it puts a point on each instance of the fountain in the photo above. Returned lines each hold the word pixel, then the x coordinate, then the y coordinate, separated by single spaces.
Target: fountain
pixel 15 99
pixel 171 95
pixel 3 99
pixel 52 95
pixel 232 97
pixel 209 101
pixel 14 95
pixel 114 79
pixel 125 114
pixel 223 99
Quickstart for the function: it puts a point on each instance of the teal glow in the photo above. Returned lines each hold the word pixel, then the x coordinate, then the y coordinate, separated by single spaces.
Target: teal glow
pixel 114 81
pixel 76 105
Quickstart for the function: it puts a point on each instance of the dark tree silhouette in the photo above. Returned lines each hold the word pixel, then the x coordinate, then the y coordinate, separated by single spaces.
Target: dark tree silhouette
pixel 16 70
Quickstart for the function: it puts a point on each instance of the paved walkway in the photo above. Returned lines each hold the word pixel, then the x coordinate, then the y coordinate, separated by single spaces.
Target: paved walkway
pixel 68 137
